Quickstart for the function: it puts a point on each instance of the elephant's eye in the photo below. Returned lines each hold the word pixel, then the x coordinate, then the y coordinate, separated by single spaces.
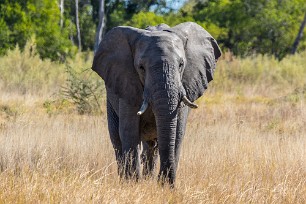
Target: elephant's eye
pixel 181 64
pixel 141 68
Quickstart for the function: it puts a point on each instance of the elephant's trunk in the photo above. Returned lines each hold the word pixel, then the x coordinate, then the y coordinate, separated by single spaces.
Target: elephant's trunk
pixel 165 105
pixel 166 133
pixel 165 93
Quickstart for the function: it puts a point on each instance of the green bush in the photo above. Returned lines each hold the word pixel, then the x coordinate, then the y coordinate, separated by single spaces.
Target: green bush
pixel 84 89
pixel 144 19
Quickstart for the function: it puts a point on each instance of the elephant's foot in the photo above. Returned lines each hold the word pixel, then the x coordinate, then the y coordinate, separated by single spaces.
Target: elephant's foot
pixel 166 179
pixel 129 166
pixel 148 168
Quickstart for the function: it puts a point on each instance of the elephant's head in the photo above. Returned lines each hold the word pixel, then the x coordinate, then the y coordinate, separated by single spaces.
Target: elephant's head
pixel 160 66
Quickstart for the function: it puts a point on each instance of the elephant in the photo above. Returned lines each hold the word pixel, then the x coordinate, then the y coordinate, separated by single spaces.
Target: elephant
pixel 152 78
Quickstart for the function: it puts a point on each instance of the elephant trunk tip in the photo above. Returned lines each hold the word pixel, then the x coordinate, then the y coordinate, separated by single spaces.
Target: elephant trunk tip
pixel 189 103
pixel 143 108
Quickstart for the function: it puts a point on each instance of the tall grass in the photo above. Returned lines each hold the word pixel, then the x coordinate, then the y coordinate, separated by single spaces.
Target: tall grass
pixel 246 152
pixel 260 74
pixel 24 72
pixel 245 144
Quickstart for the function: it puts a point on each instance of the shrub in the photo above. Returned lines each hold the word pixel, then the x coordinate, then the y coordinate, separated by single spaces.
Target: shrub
pixel 25 72
pixel 84 90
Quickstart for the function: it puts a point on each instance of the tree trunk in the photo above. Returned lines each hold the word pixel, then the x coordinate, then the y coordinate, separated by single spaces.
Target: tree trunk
pixel 78 24
pixel 299 36
pixel 62 13
pixel 99 33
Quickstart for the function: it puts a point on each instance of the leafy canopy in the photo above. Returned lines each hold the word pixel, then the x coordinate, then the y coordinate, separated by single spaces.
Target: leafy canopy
pixel 241 26
pixel 21 19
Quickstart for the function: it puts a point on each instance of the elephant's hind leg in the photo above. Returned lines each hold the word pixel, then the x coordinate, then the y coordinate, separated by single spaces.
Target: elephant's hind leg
pixel 149 157
pixel 113 128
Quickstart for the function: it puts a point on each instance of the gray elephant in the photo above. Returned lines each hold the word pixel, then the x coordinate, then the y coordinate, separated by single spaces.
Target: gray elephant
pixel 152 77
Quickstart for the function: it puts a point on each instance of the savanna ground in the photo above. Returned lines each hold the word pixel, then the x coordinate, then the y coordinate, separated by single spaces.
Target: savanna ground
pixel 245 144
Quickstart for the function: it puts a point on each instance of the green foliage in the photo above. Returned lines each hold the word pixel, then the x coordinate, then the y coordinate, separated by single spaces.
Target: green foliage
pixel 4 37
pixel 242 26
pixel 116 17
pixel 17 21
pixel 87 27
pixel 84 91
pixel 245 26
pixel 144 19
pixel 121 12
pixel 40 18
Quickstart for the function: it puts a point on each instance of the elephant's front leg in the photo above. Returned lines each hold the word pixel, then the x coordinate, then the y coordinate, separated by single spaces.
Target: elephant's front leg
pixel 113 128
pixel 130 139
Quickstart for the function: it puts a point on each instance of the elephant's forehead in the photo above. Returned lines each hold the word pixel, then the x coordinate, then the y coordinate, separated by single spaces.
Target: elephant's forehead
pixel 162 36
pixel 161 41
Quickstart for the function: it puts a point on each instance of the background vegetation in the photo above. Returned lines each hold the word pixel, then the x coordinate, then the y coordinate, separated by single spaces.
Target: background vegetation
pixel 245 144
pixel 244 27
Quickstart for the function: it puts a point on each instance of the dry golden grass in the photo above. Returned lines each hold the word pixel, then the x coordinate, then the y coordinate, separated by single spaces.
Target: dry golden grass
pixel 236 150
pixel 245 144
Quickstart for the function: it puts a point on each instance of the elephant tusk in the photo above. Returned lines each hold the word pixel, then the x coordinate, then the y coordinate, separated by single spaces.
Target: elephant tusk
pixel 143 108
pixel 189 103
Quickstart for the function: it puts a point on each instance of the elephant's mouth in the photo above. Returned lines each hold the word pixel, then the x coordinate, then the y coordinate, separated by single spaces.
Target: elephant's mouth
pixel 187 102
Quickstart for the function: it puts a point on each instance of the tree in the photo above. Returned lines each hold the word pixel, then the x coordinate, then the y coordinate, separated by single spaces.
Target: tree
pixel 247 27
pixel 21 20
pixel 119 12
pixel 299 36
pixel 144 19
pixel 242 26
pixel 112 13
pixel 100 28
pixel 87 26
pixel 62 8
pixel 78 24
pixel 4 37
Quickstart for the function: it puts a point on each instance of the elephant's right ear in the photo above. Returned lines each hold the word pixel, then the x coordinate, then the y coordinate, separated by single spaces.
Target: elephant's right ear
pixel 202 53
pixel 114 62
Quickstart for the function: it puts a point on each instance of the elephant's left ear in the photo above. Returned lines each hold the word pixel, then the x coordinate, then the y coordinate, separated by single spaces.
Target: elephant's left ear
pixel 202 53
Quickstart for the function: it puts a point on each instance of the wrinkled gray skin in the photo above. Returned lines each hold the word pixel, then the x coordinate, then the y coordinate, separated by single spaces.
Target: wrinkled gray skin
pixel 157 66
